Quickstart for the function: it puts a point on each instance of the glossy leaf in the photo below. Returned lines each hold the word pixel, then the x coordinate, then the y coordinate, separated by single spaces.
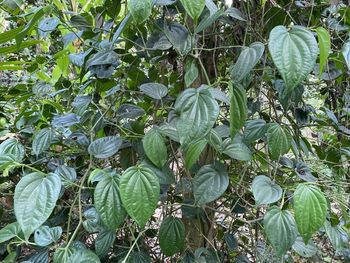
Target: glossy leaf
pixel 247 60
pixel 103 242
pixel 209 183
pixel 238 109
pixel 294 53
pixel 140 10
pixel 337 235
pixel 254 130
pixel 45 235
pixel 139 190
pixel 193 7
pixel 154 90
pixel 67 174
pixel 265 191
pixel 171 236
pixel 235 13
pixel 279 140
pixel 310 208
pixel 9 231
pixel 324 42
pixel 14 147
pixel 236 149
pixel 35 198
pixel 42 141
pixel 155 148
pixel 105 147
pixel 108 201
pixel 305 250
pixel 280 228
pixel 191 72
pixel 193 152
pixel 198 112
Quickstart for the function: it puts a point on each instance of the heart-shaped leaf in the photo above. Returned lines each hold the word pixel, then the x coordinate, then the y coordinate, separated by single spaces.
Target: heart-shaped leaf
pixel 280 228
pixel 305 250
pixel 310 208
pixel 210 182
pixel 171 235
pixel 247 60
pixel 155 148
pixel 154 90
pixel 265 191
pixel 294 53
pixel 105 147
pixel 9 231
pixel 139 190
pixel 35 198
pixel 42 141
pixel 193 7
pixel 45 235
pixel 198 112
pixel 108 202
pixel 140 10
pixel 236 149
pixel 83 256
pixel 193 151
pixel 279 140
pixel 104 242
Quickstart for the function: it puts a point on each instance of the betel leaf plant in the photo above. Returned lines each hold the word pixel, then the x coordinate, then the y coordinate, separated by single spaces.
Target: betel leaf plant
pixel 174 131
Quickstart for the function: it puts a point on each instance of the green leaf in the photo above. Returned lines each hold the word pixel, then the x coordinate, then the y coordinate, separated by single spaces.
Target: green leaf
pixel 108 202
pixel 294 53
pixel 171 236
pixel 247 60
pixel 155 148
pixel 265 191
pixel 236 149
pixel 179 37
pixel 235 13
pixel 207 22
pixel 154 90
pixel 238 109
pixel 210 182
pixel 104 242
pixel 279 140
pixel 193 7
pixel 280 228
pixel 140 10
pixel 337 235
pixel 67 174
pixel 42 141
pixel 6 160
pixel 139 190
pixel 31 24
pixel 9 231
pixel 324 42
pixel 47 25
pixel 191 72
pixel 14 147
pixel 254 130
pixel 62 254
pixel 45 235
pixel 193 151
pixel 15 48
pixel 105 147
pixel 164 174
pixel 305 250
pixel 345 52
pixel 310 208
pixel 34 200
pixel 198 112
pixel 9 35
pixel 84 256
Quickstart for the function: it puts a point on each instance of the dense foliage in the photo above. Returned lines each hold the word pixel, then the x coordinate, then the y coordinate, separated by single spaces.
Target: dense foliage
pixel 174 131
